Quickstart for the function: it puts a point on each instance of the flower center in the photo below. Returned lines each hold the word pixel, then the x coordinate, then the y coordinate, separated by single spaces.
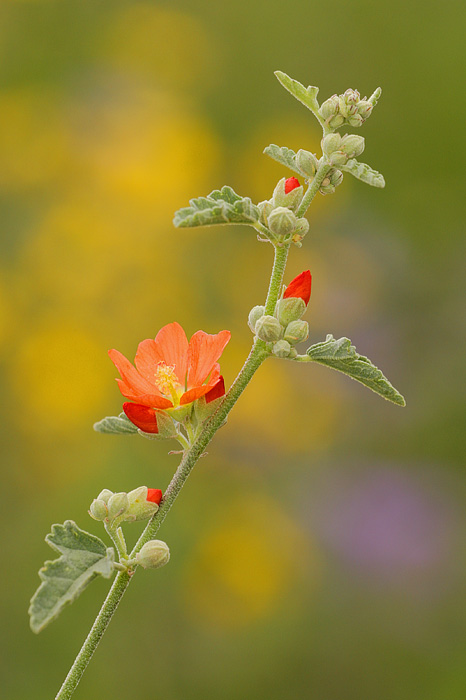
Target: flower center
pixel 167 381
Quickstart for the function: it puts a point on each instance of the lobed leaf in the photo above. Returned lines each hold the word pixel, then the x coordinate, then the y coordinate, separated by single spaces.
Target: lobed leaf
pixel 342 356
pixel 285 156
pixel 115 425
pixel 307 96
pixel 83 558
pixel 219 207
pixel 363 172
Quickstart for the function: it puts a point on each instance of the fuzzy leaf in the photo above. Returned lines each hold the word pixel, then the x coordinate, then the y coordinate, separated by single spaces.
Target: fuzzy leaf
pixel 342 356
pixel 363 172
pixel 285 156
pixel 308 96
pixel 219 207
pixel 116 425
pixel 83 557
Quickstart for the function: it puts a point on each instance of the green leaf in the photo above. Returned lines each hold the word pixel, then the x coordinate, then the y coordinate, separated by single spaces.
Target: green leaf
pixel 308 96
pixel 363 172
pixel 116 425
pixel 83 557
pixel 219 207
pixel 285 156
pixel 342 356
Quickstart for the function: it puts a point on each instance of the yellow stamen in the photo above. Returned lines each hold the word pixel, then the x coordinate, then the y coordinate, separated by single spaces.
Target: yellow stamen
pixel 167 381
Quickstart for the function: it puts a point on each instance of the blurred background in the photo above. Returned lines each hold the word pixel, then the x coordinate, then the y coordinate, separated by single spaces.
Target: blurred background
pixel 319 551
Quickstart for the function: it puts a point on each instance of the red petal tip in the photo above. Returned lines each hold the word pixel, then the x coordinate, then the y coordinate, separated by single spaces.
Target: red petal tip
pixel 154 495
pixel 216 392
pixel 291 184
pixel 143 417
pixel 300 287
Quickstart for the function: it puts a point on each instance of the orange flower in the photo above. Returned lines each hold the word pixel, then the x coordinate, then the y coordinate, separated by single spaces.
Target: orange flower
pixel 169 373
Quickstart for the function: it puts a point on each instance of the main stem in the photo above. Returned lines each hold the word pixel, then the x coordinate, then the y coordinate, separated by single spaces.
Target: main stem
pixel 256 357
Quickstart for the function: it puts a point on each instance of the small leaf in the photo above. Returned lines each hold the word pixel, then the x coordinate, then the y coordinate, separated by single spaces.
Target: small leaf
pixel 83 557
pixel 285 156
pixel 363 172
pixel 342 356
pixel 219 207
pixel 116 425
pixel 308 96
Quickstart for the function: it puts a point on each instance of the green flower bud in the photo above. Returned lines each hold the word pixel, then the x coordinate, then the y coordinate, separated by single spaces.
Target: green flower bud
pixel 330 107
pixel 289 309
pixel 293 354
pixel 268 328
pixel 355 120
pixel 265 208
pixel 351 97
pixel 352 145
pixel 282 221
pixel 306 162
pixel 105 495
pixel 153 555
pixel 98 509
pixel 296 332
pixel 281 348
pixel 339 158
pixel 254 315
pixel 302 227
pixel 117 505
pixel 329 183
pixel 348 103
pixel 139 507
pixel 281 198
pixel 336 121
pixel 365 109
pixel 331 143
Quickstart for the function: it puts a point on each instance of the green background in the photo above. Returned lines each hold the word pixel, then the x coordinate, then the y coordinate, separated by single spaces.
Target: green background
pixel 319 550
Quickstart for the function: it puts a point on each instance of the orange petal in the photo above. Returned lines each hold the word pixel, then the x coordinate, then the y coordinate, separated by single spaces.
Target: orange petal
pixel 130 375
pixel 154 400
pixel 204 389
pixel 173 345
pixel 143 417
pixel 147 357
pixel 204 351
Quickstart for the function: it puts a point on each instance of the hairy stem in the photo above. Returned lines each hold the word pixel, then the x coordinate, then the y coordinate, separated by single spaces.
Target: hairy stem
pixel 256 357
pixel 313 188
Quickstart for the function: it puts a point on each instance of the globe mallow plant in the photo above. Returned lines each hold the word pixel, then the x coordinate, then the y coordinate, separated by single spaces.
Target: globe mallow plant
pixel 175 391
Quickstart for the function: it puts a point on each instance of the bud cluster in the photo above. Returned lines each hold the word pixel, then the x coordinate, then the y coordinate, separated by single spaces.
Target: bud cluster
pixel 278 213
pixel 284 329
pixel 348 108
pixel 116 508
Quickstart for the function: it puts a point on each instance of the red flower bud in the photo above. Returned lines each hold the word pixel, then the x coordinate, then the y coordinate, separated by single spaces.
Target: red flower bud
pixel 154 495
pixel 291 184
pixel 300 287
pixel 144 417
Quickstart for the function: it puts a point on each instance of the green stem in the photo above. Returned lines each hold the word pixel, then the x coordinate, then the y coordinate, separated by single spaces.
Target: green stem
pixel 256 357
pixel 313 188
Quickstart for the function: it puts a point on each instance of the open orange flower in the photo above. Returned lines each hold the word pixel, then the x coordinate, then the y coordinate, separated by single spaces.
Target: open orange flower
pixel 170 372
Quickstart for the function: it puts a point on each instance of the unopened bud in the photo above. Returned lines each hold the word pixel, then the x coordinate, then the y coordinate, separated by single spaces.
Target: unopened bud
pixel 98 509
pixel 281 348
pixel 365 109
pixel 265 208
pixel 355 120
pixel 282 221
pixel 153 555
pixel 331 143
pixel 336 121
pixel 333 179
pixel 306 162
pixel 296 332
pixel 283 197
pixel 143 503
pixel 339 158
pixel 105 495
pixel 117 505
pixel 268 328
pixel 290 309
pixel 302 227
pixel 353 145
pixel 293 354
pixel 330 107
pixel 254 315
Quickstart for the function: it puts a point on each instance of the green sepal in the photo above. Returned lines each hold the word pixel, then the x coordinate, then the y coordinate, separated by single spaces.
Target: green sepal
pixel 285 156
pixel 342 356
pixel 363 172
pixel 219 207
pixel 115 425
pixel 83 558
pixel 307 96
